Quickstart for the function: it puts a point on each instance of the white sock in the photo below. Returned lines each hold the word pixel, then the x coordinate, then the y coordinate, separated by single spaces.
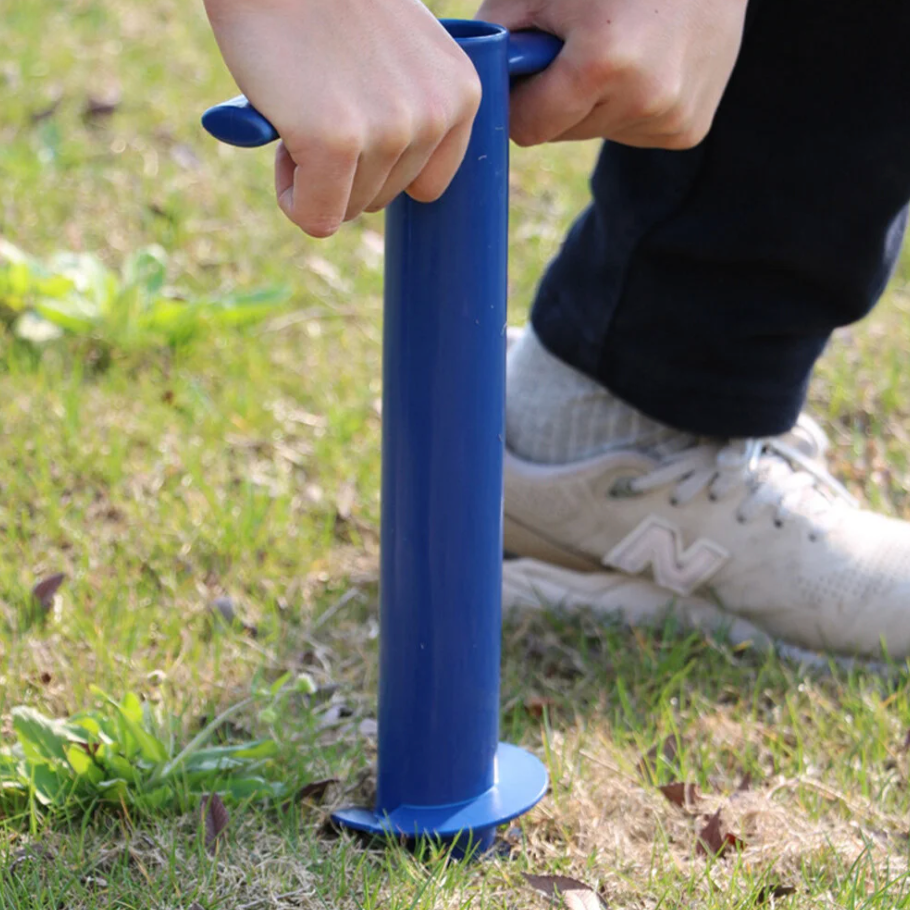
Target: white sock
pixel 556 415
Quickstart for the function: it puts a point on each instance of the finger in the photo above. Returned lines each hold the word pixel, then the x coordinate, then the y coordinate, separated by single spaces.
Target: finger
pixel 644 132
pixel 549 105
pixel 507 13
pixel 611 119
pixel 435 177
pixel 406 170
pixel 314 185
pixel 374 172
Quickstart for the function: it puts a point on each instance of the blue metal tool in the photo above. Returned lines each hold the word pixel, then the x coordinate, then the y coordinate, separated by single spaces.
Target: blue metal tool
pixel 441 769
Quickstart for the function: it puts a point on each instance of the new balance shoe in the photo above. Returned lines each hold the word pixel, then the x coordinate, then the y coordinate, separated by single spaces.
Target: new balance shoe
pixel 753 536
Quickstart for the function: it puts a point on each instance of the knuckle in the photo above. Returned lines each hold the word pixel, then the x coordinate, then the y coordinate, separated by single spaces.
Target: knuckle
pixel 340 136
pixel 598 69
pixel 395 133
pixel 472 92
pixel 435 121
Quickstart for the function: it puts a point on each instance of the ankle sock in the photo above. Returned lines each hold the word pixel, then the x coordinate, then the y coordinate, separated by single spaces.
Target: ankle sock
pixel 557 415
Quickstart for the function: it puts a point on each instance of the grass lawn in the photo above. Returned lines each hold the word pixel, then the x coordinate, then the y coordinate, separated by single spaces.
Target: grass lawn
pixel 245 467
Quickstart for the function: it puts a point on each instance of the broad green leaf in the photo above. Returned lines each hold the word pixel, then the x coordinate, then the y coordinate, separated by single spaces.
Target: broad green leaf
pixel 151 748
pixel 130 710
pixel 157 799
pixel 146 269
pixel 222 758
pixel 50 787
pixel 97 728
pixel 52 286
pixel 118 766
pixel 69 314
pixel 93 282
pixel 114 790
pixel 131 707
pixel 82 764
pixel 44 737
pixel 243 788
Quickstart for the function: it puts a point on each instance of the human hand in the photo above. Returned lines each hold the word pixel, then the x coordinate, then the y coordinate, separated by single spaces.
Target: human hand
pixel 647 74
pixel 371 98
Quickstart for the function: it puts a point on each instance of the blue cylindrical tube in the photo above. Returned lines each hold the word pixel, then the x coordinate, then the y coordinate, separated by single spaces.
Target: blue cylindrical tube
pixel 443 426
pixel 441 770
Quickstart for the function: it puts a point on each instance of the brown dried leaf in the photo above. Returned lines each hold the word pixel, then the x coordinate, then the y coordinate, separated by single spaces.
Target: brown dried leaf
pixel 224 607
pixel 537 704
pixel 745 783
pixel 681 794
pixel 712 841
pixel 216 819
pixel 37 853
pixel 46 589
pixel 316 789
pixel 772 892
pixel 576 895
pixel 99 106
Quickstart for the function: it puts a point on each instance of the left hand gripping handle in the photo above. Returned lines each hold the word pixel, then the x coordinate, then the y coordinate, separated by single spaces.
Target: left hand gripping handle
pixel 237 122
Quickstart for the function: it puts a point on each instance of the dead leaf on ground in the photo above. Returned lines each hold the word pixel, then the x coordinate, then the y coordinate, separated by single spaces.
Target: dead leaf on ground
pixel 772 892
pixel 224 607
pixel 99 106
pixel 713 841
pixel 537 704
pixel 216 819
pixel 906 746
pixel 575 895
pixel 681 794
pixel 30 854
pixel 745 784
pixel 316 789
pixel 46 589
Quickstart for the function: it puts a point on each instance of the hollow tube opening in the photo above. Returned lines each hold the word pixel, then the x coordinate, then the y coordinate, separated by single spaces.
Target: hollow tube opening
pixel 467 31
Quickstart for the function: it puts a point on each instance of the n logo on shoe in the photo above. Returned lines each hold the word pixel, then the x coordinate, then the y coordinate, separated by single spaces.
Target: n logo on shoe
pixel 659 544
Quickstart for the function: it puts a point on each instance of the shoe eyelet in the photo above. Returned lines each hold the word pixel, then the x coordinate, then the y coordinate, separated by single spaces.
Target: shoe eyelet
pixel 741 519
pixel 813 537
pixel 674 502
pixel 713 497
pixel 778 523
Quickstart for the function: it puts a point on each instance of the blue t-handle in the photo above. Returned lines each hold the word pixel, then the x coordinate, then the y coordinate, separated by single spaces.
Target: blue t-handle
pixel 237 122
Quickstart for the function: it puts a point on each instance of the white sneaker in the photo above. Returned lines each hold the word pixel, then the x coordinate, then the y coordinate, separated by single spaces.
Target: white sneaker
pixel 754 536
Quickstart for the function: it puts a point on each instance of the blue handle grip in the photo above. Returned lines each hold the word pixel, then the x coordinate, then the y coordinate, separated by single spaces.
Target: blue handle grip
pixel 237 122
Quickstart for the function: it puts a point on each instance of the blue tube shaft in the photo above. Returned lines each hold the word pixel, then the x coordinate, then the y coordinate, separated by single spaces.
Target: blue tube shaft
pixel 442 450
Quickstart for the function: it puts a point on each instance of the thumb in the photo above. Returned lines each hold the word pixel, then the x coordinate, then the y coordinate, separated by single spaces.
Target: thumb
pixel 546 106
pixel 511 14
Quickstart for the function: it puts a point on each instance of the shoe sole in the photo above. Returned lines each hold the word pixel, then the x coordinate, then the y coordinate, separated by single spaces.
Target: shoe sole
pixel 530 583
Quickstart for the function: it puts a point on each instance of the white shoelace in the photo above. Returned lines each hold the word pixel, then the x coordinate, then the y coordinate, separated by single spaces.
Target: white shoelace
pixel 774 475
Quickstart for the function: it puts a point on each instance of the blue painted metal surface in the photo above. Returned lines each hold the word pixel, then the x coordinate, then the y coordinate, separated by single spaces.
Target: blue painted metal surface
pixel 441 769
pixel 237 122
